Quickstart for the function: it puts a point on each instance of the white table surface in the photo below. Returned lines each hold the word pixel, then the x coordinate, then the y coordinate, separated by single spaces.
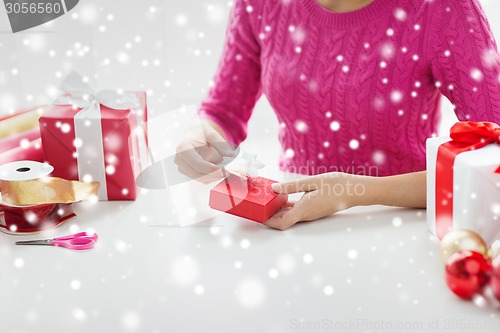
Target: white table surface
pixel 357 271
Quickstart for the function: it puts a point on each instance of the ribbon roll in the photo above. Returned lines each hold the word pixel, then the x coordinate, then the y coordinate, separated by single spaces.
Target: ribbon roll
pixel 31 219
pixel 20 122
pixel 19 140
pixel 32 151
pixel 24 183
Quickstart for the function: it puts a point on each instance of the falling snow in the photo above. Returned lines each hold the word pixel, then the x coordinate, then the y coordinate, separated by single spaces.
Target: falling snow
pixel 301 126
pixel 131 321
pixel 387 50
pixel 334 126
pixel 400 14
pixel 352 254
pixel 185 270
pixel 397 221
pixel 328 290
pixel 476 74
pixel 308 258
pixel 245 243
pixel 396 96
pixel 199 289
pixel 79 314
pixel 250 293
pixel 75 284
pixel 378 157
pixel 490 58
pixel 289 153
pixel 273 273
pixel 19 263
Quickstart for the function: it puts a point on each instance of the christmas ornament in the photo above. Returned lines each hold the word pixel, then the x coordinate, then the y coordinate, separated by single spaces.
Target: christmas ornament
pixel 467 273
pixel 461 239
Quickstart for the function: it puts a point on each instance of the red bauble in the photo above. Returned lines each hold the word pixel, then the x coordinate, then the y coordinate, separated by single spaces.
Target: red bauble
pixel 495 277
pixel 467 272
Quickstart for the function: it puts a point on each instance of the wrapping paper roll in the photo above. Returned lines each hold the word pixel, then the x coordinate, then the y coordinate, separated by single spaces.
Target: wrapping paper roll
pixel 18 140
pixel 20 122
pixel 17 113
pixel 33 152
pixel 26 183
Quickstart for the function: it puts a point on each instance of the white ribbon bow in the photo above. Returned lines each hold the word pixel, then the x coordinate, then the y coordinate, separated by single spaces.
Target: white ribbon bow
pixel 247 165
pixel 75 91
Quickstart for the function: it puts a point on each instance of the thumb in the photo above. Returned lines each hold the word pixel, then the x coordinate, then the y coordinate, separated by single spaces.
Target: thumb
pixel 302 185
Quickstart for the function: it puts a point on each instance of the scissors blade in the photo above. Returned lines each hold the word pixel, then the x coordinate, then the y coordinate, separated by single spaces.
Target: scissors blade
pixel 35 242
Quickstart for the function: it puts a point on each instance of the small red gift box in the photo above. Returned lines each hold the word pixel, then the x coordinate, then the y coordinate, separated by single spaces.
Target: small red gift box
pixel 104 147
pixel 248 197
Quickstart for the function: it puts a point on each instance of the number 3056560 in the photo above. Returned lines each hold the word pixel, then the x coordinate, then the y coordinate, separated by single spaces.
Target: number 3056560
pixel 33 8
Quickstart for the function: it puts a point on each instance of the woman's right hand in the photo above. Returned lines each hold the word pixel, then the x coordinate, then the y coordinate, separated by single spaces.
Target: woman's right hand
pixel 201 149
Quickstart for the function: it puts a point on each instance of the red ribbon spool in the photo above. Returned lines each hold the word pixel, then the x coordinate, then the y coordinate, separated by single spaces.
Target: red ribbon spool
pixel 31 219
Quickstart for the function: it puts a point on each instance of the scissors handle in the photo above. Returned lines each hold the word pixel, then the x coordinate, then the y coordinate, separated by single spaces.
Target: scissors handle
pixel 82 234
pixel 77 244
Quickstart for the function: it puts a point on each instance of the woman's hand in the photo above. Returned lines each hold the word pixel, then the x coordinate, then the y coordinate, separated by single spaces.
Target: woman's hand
pixel 202 147
pixel 324 195
pixel 329 193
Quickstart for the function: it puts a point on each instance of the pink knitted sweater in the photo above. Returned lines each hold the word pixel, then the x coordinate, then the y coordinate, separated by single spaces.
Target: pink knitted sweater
pixel 355 92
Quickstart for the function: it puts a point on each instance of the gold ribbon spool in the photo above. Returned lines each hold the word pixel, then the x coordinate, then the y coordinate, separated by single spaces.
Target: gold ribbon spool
pixel 25 183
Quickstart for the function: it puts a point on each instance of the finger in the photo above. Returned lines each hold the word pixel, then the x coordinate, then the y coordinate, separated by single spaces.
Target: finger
pixel 187 170
pixel 209 154
pixel 282 211
pixel 285 220
pixel 205 179
pixel 214 139
pixel 196 162
pixel 301 185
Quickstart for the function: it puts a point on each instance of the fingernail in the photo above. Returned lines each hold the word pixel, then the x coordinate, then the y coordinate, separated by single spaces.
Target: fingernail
pixel 229 153
pixel 276 187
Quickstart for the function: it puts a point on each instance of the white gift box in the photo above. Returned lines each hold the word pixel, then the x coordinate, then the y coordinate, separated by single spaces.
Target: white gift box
pixel 476 191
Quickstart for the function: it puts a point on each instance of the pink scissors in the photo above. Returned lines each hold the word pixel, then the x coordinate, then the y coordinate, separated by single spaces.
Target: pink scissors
pixel 79 242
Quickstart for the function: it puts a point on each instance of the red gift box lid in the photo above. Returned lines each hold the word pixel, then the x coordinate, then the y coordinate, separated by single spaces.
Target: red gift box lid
pixel 248 197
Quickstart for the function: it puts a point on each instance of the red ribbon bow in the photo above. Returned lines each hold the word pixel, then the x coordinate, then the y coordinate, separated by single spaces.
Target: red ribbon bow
pixel 465 136
pixel 477 134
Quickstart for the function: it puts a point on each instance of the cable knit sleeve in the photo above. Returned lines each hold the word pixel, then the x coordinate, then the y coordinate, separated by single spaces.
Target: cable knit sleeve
pixel 236 88
pixel 465 60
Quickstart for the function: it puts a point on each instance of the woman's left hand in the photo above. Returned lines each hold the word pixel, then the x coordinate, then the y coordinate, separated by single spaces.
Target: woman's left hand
pixel 329 193
pixel 324 195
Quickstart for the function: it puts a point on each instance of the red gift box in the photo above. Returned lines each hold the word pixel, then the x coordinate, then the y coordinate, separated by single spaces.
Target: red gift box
pixel 248 197
pixel 106 147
